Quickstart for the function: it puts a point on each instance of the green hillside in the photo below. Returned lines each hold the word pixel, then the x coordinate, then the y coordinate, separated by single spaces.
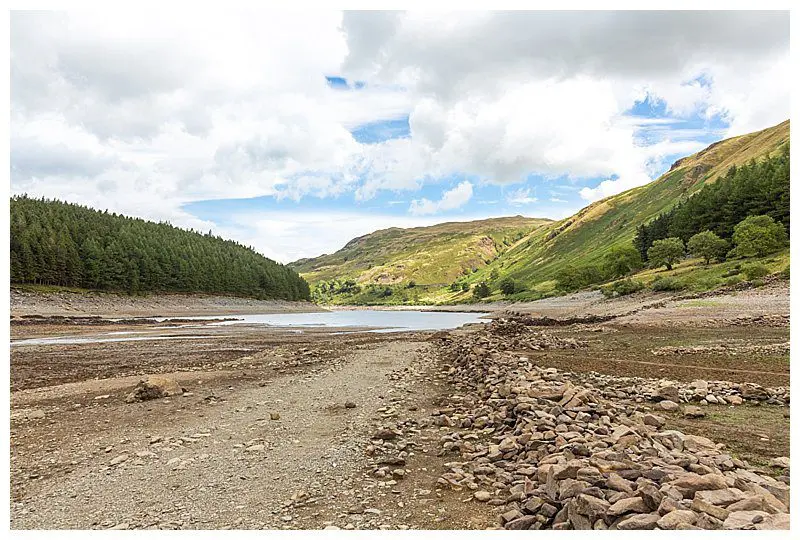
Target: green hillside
pixel 430 257
pixel 587 236
pixel 67 245
pixel 446 261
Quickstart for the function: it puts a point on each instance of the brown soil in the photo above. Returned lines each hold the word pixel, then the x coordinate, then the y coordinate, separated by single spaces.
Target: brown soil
pixel 237 468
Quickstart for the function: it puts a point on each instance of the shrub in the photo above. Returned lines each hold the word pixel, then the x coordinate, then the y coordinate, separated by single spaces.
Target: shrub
pixel 755 271
pixel 735 271
pixel 785 273
pixel 465 287
pixel 455 286
pixel 508 286
pixel 707 245
pixel 666 252
pixel 481 290
pixel 621 261
pixel 411 284
pixel 733 280
pixel 667 284
pixel 572 278
pixel 621 288
pixel 757 236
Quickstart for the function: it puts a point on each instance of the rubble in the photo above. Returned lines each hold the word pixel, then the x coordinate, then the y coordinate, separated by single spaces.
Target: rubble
pixel 558 450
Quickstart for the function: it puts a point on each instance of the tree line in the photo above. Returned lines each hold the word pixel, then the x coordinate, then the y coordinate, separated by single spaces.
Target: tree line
pixel 750 190
pixel 57 243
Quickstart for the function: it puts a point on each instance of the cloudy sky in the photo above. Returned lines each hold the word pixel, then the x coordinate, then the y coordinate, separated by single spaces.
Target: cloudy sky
pixel 294 133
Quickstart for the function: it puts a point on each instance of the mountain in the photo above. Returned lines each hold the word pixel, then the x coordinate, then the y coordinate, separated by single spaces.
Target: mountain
pixel 434 255
pixel 56 243
pixel 588 235
pixel 531 252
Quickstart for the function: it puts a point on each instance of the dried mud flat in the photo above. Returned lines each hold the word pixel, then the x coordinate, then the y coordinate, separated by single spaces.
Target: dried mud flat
pixel 280 429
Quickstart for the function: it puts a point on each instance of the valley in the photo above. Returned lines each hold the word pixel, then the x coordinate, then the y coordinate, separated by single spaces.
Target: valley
pixel 292 426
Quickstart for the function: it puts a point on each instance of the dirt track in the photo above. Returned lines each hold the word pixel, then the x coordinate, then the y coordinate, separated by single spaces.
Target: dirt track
pixel 214 458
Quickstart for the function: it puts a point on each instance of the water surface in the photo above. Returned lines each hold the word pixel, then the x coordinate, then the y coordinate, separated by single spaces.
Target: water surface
pixel 369 320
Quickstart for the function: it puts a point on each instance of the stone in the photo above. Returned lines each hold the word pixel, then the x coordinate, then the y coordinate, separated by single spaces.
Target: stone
pixel 668 405
pixel 690 483
pixel 349 405
pixel 744 518
pixel 522 523
pixel 591 507
pixel 482 496
pixel 774 522
pixel 639 522
pixel 653 420
pixel 691 411
pixel 631 504
pixel 735 400
pixel 154 387
pixel 616 482
pixel 274 416
pixel 699 505
pixel 119 459
pixel 674 519
pixel 782 462
pixel 510 516
pixel 721 497
pixel 668 392
pixel 385 434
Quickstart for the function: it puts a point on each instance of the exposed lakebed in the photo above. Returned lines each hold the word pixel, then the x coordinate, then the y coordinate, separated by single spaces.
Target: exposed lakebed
pixel 340 321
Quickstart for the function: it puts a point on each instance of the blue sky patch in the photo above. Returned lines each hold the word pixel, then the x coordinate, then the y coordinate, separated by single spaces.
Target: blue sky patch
pixel 382 130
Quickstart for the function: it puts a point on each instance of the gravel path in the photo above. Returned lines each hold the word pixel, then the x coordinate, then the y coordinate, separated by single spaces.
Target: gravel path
pixel 217 463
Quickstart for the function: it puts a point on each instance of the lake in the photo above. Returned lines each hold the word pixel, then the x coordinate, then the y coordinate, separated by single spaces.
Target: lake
pixel 369 320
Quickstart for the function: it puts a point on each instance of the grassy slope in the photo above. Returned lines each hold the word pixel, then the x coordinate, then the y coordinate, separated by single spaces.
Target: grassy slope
pixel 434 255
pixel 586 236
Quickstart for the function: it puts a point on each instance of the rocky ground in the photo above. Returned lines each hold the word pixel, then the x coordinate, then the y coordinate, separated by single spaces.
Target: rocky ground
pixel 546 420
pixel 91 303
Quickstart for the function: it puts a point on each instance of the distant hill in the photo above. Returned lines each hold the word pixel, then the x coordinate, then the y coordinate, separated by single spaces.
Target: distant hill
pixel 61 244
pixel 434 255
pixel 529 251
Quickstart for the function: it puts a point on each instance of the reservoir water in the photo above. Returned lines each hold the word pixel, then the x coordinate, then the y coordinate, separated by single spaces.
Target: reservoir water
pixel 368 320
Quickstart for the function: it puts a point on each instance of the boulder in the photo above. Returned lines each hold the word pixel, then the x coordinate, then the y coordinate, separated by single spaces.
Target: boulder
pixel 639 522
pixel 668 405
pixel 689 484
pixel 626 506
pixel 154 387
pixel 691 411
pixel 668 392
pixel 673 520
pixel 745 518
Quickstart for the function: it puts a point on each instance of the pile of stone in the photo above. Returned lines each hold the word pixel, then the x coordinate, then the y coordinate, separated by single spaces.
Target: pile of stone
pixel 698 392
pixel 729 349
pixel 514 334
pixel 551 454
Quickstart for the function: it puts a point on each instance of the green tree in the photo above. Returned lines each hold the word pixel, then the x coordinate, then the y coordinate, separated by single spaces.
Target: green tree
pixel 707 245
pixel 465 287
pixel 481 290
pixel 622 260
pixel 508 286
pixel 757 236
pixel 665 252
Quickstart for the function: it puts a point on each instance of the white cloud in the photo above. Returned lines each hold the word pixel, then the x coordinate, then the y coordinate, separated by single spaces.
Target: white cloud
pixel 520 197
pixel 141 115
pixel 452 199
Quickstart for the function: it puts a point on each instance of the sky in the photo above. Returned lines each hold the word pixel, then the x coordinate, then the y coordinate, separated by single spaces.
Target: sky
pixel 294 133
